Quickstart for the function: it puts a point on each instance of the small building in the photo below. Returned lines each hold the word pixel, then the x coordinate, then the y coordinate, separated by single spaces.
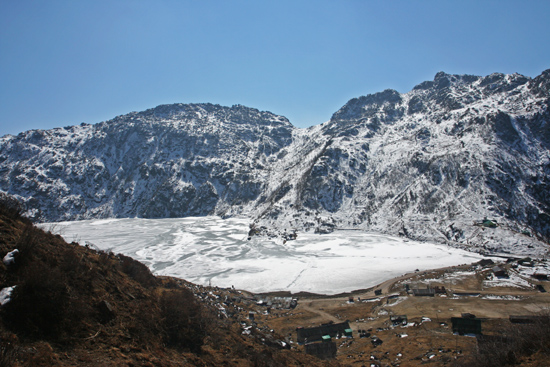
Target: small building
pixel 485 262
pixel 499 272
pixel 316 334
pixel 378 292
pixel 398 320
pixel 286 303
pixel 466 325
pixel 489 223
pixel 363 334
pixel 528 319
pixel 376 341
pixel 540 276
pixel 466 294
pixel 419 292
pixel 440 290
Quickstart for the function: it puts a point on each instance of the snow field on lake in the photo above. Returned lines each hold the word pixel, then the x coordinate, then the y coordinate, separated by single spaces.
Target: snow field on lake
pixel 211 250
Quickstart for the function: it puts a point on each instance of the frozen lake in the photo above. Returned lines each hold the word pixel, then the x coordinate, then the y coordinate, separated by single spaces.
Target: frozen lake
pixel 215 250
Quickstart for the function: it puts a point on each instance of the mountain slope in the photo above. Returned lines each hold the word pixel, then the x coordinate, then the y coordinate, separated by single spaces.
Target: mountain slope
pixel 170 161
pixel 429 164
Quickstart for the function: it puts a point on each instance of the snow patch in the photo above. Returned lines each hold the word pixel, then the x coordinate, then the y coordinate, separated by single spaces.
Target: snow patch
pixel 10 257
pixel 5 295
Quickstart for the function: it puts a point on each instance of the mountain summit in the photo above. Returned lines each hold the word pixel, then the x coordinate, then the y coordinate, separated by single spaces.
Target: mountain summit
pixel 435 163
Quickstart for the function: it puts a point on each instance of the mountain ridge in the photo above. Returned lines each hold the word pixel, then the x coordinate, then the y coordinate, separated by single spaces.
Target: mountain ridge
pixel 427 164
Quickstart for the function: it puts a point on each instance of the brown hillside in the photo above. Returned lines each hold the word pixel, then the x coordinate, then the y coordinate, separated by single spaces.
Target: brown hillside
pixel 74 306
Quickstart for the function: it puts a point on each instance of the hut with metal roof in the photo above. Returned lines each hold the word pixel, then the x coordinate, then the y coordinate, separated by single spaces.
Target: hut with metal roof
pixel 316 334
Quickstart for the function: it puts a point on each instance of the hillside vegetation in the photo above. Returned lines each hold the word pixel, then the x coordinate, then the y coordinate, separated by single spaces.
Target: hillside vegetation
pixel 72 305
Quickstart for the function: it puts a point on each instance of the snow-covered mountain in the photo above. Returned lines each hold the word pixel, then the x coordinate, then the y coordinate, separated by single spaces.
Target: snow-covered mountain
pixel 170 161
pixel 429 164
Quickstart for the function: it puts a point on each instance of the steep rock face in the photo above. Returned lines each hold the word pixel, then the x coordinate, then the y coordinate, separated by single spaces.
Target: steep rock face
pixel 170 161
pixel 428 164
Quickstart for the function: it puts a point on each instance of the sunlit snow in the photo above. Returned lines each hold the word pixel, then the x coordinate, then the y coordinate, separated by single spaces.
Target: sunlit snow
pixel 211 250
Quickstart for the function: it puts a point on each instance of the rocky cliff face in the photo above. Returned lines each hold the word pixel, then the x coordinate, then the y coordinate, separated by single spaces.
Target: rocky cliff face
pixel 433 164
pixel 429 164
pixel 170 161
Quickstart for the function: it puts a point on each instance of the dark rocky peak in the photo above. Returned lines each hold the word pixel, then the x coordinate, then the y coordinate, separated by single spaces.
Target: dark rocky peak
pixel 369 111
pixel 498 82
pixel 424 85
pixel 357 107
pixel 181 110
pixel 440 91
pixel 389 96
pixel 242 114
pixel 203 114
pixel 541 84
pixel 443 80
pixel 494 78
pixel 169 110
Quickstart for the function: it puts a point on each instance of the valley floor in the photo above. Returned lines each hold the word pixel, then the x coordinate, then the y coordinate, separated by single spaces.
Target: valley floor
pixel 427 335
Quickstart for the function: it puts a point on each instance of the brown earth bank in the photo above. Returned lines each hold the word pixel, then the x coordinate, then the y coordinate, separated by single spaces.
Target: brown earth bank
pixel 73 306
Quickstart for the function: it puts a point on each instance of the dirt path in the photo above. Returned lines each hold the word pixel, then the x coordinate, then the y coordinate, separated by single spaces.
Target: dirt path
pixel 430 335
pixel 320 305
pixel 323 309
pixel 311 307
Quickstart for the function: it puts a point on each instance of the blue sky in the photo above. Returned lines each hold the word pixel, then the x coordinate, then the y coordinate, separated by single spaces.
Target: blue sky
pixel 67 62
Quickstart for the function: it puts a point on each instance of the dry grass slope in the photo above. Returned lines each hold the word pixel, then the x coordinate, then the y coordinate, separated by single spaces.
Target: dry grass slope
pixel 72 305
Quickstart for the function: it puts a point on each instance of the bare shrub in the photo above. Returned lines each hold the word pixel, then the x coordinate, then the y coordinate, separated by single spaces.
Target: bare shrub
pixel 182 320
pixel 11 208
pixel 28 244
pixel 144 325
pixel 39 305
pixel 513 343
pixel 44 305
pixel 71 263
pixel 137 271
pixel 8 349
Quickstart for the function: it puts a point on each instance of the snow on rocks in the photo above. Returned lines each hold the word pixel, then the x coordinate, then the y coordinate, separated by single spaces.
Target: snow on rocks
pixel 513 280
pixel 5 295
pixel 10 257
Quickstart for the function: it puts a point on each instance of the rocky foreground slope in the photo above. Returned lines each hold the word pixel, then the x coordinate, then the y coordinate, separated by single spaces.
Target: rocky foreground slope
pixel 431 164
pixel 68 305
